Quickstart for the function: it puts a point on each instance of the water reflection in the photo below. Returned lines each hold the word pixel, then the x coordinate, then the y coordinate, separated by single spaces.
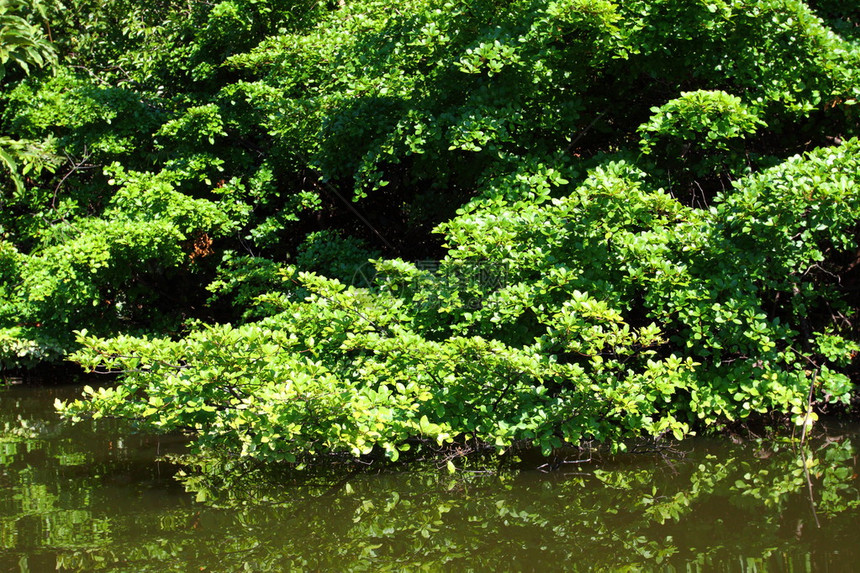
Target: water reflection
pixel 93 499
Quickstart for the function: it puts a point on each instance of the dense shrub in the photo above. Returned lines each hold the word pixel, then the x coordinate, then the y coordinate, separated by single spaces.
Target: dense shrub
pixel 606 312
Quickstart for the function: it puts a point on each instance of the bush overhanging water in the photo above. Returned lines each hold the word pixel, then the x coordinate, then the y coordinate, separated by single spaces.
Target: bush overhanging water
pixel 344 228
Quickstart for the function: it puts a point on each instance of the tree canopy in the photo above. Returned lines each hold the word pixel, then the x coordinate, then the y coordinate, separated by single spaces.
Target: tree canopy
pixel 304 227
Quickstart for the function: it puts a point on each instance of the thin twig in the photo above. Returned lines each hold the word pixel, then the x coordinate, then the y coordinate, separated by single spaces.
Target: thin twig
pixel 584 130
pixel 76 166
pixel 809 487
pixel 808 407
pixel 332 190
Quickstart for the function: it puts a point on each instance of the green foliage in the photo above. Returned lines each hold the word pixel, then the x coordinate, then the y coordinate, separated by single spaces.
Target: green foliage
pixel 630 239
pixel 96 271
pixel 21 42
pixel 330 254
pixel 241 279
pixel 619 312
pixel 703 124
pixel 33 157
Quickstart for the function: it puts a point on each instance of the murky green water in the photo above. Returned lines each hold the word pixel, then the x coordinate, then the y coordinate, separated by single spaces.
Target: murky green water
pixel 90 498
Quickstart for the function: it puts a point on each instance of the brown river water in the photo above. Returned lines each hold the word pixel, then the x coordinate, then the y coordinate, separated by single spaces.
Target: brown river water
pixel 99 497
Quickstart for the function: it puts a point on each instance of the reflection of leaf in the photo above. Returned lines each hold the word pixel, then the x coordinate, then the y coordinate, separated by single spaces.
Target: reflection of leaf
pixel 238 515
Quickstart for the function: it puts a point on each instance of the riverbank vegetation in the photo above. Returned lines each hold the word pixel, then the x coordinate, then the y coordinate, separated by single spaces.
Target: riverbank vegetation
pixel 310 228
